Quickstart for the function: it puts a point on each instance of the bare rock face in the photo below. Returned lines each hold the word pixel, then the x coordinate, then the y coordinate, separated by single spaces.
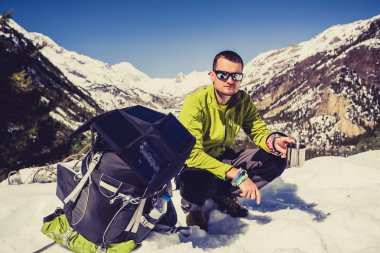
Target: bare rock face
pixel 327 89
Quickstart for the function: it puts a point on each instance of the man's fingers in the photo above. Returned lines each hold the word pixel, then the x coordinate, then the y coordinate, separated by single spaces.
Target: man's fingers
pixel 248 195
pixel 250 191
pixel 289 140
pixel 243 194
pixel 252 195
pixel 280 145
pixel 283 143
pixel 281 149
pixel 258 196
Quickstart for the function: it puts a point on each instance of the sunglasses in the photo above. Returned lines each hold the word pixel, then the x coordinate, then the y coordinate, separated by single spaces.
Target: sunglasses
pixel 224 75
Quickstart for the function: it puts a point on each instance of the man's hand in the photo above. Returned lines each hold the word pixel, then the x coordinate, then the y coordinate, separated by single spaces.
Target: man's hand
pixel 280 144
pixel 248 188
pixel 250 191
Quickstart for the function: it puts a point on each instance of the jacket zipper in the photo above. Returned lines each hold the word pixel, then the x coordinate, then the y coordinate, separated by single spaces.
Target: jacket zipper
pixel 225 131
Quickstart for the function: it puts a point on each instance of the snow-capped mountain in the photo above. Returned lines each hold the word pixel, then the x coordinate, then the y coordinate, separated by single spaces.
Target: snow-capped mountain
pixel 39 106
pixel 115 86
pixel 326 89
pixel 109 85
pixel 179 86
pixel 61 89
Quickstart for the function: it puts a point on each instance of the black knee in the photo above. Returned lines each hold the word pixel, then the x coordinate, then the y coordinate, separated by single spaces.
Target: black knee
pixel 281 165
pixel 270 166
pixel 196 185
pixel 277 165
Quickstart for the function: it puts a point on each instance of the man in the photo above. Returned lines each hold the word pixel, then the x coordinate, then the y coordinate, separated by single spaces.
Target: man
pixel 214 115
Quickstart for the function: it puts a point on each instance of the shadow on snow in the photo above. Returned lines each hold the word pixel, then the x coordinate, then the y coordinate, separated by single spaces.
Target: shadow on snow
pixel 223 229
pixel 279 195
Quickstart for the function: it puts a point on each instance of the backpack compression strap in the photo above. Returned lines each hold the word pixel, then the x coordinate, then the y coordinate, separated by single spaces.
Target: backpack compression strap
pixel 75 193
pixel 135 221
pixel 165 229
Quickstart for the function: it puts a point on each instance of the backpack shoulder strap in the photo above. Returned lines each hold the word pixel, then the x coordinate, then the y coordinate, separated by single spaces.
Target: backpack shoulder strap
pixel 75 193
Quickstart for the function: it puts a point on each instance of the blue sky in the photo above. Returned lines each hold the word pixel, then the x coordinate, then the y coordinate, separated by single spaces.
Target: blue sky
pixel 162 38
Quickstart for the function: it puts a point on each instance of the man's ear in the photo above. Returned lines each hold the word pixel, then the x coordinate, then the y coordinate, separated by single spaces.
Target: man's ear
pixel 212 75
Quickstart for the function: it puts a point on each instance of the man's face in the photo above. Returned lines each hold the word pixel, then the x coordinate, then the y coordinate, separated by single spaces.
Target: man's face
pixel 226 87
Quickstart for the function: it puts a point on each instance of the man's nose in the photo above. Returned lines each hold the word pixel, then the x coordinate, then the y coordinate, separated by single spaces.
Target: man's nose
pixel 230 80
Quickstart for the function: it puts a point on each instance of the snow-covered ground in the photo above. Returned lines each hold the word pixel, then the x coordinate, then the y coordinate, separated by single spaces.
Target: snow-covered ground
pixel 332 204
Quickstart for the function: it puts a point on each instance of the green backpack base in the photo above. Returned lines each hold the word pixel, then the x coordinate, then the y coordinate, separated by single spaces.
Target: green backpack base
pixel 60 231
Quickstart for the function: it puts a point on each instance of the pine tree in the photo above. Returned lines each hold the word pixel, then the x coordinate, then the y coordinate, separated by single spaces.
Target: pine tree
pixel 5 17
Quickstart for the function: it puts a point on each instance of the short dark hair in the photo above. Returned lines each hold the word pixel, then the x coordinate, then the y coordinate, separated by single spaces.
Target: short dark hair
pixel 229 55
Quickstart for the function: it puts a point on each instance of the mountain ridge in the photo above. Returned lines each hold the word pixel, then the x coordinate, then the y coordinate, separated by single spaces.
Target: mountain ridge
pixel 125 79
pixel 326 89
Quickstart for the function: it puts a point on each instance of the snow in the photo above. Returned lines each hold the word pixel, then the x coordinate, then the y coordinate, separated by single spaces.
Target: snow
pixel 71 124
pixel 178 86
pixel 331 204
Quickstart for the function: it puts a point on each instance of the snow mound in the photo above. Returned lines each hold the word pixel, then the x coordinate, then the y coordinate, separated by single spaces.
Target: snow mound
pixel 332 204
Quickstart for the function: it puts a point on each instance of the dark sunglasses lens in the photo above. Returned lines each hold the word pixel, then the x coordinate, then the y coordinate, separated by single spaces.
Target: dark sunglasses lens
pixel 222 75
pixel 237 76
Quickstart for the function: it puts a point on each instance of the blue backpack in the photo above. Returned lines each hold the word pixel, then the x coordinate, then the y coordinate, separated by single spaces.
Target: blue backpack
pixel 122 190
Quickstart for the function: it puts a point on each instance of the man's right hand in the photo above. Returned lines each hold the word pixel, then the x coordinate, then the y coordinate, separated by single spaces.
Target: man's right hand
pixel 249 190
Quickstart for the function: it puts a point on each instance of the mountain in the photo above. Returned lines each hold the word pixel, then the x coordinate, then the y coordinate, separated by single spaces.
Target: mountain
pixel 39 106
pixel 114 86
pixel 110 86
pixel 325 89
pixel 47 91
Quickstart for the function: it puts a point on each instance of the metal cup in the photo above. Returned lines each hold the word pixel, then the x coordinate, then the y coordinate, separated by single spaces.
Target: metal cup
pixel 295 154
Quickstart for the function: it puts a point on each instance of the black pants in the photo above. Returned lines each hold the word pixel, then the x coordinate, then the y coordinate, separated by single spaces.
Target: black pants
pixel 197 185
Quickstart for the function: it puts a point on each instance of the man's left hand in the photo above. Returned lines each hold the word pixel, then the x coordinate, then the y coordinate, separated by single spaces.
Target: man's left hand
pixel 280 144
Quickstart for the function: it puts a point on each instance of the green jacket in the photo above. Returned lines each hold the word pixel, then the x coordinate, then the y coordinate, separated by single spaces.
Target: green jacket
pixel 215 131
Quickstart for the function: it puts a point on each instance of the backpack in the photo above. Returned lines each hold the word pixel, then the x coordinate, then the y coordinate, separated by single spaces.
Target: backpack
pixel 121 192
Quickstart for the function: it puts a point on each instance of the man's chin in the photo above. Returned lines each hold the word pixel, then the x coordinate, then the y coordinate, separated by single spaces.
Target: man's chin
pixel 228 92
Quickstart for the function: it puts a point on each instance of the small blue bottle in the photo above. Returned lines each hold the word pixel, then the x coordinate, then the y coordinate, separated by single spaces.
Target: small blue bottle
pixel 160 207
